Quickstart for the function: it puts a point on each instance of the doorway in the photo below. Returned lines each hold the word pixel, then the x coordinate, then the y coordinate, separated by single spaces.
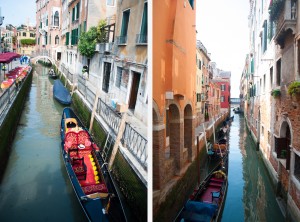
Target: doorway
pixel 134 90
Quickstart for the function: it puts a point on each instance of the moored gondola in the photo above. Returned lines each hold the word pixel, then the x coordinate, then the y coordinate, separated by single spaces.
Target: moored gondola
pixel 207 201
pixel 88 173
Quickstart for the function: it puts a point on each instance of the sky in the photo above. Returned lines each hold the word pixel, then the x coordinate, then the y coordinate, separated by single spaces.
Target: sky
pixel 222 27
pixel 17 12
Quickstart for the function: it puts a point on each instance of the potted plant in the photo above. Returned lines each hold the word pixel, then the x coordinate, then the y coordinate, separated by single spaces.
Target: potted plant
pixel 294 89
pixel 283 154
pixel 276 93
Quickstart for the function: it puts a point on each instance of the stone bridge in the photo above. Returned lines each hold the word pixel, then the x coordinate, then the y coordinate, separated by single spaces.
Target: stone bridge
pixel 37 58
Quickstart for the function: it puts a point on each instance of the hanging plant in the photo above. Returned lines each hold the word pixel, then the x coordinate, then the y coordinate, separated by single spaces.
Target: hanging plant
pixel 276 93
pixel 294 88
pixel 275 9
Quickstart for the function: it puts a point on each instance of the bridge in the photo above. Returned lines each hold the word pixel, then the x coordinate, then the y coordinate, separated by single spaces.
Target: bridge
pixel 37 58
pixel 235 101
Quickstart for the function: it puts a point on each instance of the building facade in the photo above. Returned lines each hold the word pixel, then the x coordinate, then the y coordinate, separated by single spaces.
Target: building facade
pixel 26 33
pixel 174 90
pixel 48 28
pixel 202 79
pixel 271 103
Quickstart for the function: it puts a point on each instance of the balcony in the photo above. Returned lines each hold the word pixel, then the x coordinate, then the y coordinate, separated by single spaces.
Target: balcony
pixel 121 40
pixel 141 39
pixel 286 22
pixel 103 47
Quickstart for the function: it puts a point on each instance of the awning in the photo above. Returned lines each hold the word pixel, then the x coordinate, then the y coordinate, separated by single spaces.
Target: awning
pixel 7 57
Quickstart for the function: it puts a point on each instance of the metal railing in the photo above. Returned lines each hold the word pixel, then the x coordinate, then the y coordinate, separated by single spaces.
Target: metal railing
pixel 136 144
pixel 131 139
pixel 112 118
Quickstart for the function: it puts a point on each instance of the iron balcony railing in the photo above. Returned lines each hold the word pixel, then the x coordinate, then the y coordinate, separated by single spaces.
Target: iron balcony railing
pixel 121 40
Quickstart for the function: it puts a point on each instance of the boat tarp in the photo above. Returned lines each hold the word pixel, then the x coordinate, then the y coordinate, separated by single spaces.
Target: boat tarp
pixel 198 211
pixel 61 93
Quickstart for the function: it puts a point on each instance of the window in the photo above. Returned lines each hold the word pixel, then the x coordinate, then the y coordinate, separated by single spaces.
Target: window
pixel 56 40
pixel 56 19
pixel 278 72
pixel 222 99
pixel 106 76
pixel 74 37
pixel 297 167
pixel 223 87
pixel 264 83
pixel 67 38
pixel 191 3
pixel 24 34
pixel 124 27
pixel 144 26
pixel 50 39
pixel 119 77
pixel 265 36
pixel 271 77
pixel 110 2
pixel 31 35
pixel 47 20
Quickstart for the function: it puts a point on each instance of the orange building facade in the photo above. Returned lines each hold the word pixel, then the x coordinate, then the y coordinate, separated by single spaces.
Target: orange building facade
pixel 174 91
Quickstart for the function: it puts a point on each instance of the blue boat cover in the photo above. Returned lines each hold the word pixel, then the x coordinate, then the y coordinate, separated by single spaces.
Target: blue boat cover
pixel 61 93
pixel 198 211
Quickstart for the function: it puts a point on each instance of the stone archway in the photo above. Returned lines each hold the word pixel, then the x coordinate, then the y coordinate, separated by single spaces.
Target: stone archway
pixel 174 129
pixel 188 130
pixel 158 141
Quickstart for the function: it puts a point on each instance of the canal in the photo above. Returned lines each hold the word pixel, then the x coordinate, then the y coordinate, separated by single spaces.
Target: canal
pixel 250 195
pixel 35 185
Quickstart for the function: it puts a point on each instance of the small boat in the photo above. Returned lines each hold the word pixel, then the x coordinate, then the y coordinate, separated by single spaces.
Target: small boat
pixel 52 74
pixel 61 94
pixel 207 201
pixel 237 110
pixel 88 173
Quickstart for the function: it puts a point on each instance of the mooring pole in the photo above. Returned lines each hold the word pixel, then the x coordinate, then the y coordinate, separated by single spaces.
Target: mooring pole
pixel 117 141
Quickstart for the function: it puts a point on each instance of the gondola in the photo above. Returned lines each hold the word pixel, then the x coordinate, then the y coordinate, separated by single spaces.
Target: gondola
pixel 88 173
pixel 207 201
pixel 61 94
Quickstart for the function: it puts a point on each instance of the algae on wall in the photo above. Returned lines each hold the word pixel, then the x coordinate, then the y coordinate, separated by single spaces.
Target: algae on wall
pixel 11 121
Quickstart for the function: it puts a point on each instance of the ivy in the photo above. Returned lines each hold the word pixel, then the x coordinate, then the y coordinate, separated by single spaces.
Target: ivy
pixel 28 41
pixel 89 39
pixel 294 88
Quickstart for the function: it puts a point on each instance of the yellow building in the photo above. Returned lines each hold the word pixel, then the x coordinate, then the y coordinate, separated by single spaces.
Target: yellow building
pixel 26 40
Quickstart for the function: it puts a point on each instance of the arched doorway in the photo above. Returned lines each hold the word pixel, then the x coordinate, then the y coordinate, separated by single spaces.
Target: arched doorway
pixel 188 131
pixel 158 148
pixel 173 128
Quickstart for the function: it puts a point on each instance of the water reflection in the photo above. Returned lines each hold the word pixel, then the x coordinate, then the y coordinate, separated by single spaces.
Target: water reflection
pixel 35 186
pixel 250 195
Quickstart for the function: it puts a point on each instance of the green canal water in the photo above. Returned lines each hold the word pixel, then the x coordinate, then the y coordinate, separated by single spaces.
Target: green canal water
pixel 35 185
pixel 250 196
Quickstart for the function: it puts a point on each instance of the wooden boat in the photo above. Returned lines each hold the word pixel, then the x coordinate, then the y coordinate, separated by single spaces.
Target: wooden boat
pixel 61 94
pixel 52 74
pixel 87 171
pixel 237 110
pixel 207 201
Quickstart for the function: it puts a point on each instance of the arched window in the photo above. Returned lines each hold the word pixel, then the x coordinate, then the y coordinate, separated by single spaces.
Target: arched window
pixel 56 40
pixel 56 19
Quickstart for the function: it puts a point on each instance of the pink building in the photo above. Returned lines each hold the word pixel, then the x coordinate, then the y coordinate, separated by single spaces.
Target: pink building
pixel 48 20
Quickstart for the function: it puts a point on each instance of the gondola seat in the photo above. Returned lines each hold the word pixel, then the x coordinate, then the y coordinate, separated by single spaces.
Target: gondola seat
pixel 79 167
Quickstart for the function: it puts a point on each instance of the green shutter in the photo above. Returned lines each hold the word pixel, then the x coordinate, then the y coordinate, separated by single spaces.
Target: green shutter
pixel 125 21
pixel 73 14
pixel 145 20
pixel 78 9
pixel 67 38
